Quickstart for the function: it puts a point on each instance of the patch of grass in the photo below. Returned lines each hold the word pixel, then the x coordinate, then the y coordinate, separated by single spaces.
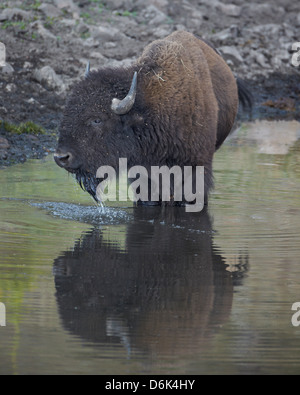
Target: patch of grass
pixel 87 18
pixel 31 5
pixel 23 128
pixel 86 35
pixel 85 15
pixel 169 21
pixel 21 24
pixel 36 5
pixel 49 22
pixel 99 3
pixel 126 13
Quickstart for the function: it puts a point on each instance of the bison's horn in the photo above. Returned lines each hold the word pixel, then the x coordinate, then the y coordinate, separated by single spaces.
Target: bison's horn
pixel 122 107
pixel 87 69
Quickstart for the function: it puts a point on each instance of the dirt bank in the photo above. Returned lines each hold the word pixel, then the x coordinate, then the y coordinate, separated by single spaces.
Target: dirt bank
pixel 48 44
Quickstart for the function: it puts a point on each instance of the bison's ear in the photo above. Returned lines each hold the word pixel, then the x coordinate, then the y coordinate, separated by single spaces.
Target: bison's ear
pixel 121 107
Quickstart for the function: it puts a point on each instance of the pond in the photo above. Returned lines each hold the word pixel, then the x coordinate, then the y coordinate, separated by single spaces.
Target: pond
pixel 125 290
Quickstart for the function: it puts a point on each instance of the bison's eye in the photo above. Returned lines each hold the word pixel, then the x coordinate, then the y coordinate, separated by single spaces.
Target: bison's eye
pixel 96 122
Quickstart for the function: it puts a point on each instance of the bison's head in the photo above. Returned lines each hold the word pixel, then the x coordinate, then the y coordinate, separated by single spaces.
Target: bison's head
pixel 97 129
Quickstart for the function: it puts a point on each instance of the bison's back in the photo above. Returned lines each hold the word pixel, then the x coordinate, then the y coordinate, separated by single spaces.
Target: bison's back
pixel 178 91
pixel 226 91
pixel 187 80
pixel 223 82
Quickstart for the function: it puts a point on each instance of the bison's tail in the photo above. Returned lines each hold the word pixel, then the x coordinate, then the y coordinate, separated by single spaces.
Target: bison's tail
pixel 245 96
pixel 246 101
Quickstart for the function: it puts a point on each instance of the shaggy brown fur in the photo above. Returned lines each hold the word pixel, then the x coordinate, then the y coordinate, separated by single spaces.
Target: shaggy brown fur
pixel 185 106
pixel 182 75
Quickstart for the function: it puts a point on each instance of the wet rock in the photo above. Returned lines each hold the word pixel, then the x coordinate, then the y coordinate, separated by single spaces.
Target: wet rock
pixel 11 88
pixel 47 76
pixel 3 111
pixel 83 3
pixel 90 42
pixel 3 154
pixel 153 15
pixel 160 4
pixel 68 22
pixel 281 54
pixel 69 6
pixel 231 32
pixel 97 55
pixel 261 13
pixel 232 54
pixel 120 63
pixel 109 45
pixel 42 31
pixel 180 27
pixel 283 103
pixel 27 65
pixel 31 101
pixel 268 29
pixel 4 144
pixel 7 69
pixel 261 60
pixel 81 28
pixel 49 10
pixel 276 63
pixel 131 28
pixel 230 9
pixel 161 32
pixel 32 139
pixel 14 14
pixel 196 15
pixel 119 4
pixel 288 32
pixel 103 33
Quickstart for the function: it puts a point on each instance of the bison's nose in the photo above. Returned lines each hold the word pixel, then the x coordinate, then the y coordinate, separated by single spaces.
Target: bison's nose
pixel 65 160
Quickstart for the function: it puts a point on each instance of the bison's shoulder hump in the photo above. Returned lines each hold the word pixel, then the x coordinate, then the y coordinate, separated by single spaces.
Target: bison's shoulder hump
pixel 177 60
pixel 175 83
pixel 161 53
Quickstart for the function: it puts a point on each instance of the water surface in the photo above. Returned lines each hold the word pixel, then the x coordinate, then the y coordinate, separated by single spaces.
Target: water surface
pixel 146 290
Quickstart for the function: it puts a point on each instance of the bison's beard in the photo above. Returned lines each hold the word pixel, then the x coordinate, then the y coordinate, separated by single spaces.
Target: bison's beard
pixel 88 182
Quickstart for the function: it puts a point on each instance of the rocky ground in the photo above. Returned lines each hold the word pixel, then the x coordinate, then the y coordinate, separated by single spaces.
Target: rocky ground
pixel 48 44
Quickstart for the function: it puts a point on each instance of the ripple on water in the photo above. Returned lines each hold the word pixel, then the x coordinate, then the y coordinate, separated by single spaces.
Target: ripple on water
pixel 93 215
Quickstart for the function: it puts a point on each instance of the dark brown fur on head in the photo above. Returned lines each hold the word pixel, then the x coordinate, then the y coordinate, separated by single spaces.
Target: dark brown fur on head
pixel 185 106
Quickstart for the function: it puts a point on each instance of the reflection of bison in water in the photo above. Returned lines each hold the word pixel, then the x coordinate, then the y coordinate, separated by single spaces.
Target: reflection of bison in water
pixel 180 108
pixel 166 291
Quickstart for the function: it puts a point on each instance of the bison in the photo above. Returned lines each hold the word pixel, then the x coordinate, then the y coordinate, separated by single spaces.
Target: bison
pixel 173 107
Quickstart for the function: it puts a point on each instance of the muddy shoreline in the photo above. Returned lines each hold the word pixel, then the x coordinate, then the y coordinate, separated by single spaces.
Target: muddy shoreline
pixel 48 43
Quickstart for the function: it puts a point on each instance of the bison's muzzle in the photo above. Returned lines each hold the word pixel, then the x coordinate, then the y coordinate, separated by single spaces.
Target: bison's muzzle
pixel 66 160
